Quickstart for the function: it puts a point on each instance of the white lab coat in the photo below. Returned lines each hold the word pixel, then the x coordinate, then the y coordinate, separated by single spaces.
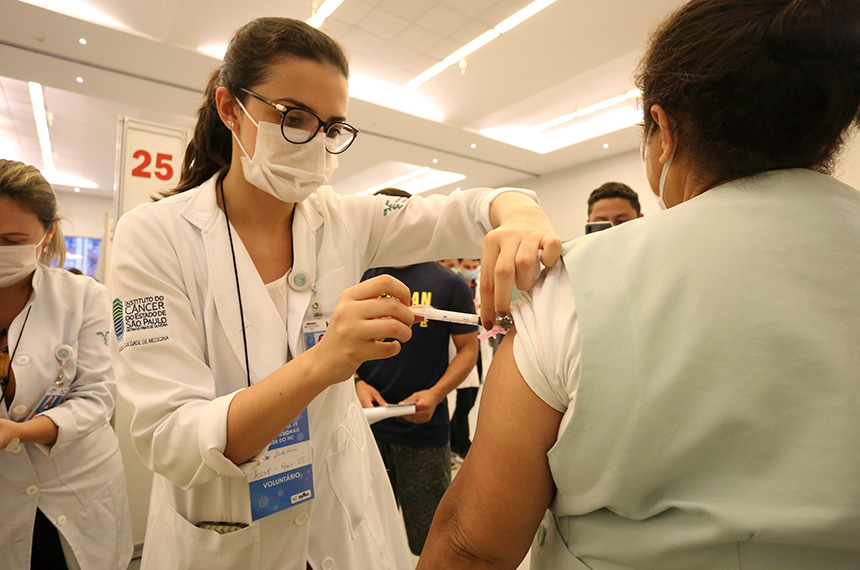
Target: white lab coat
pixel 180 377
pixel 78 482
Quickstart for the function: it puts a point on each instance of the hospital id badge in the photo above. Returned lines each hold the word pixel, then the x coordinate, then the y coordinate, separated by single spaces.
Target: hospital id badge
pixel 314 327
pixel 284 477
pixel 52 397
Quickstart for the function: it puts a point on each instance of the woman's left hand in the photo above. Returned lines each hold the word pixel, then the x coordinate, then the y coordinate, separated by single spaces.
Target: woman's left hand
pixel 510 253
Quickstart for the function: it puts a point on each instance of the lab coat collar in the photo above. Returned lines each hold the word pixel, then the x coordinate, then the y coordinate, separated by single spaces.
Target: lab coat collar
pixel 201 209
pixel 265 332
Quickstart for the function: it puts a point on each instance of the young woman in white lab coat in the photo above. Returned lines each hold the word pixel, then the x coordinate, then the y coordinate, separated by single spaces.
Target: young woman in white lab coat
pixel 62 488
pixel 216 285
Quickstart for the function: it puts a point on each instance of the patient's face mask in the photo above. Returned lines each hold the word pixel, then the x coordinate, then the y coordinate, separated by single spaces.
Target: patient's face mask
pixel 664 170
pixel 289 172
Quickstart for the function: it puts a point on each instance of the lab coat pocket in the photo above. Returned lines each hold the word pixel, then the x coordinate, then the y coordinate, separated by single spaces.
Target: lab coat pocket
pixel 349 467
pixel 187 546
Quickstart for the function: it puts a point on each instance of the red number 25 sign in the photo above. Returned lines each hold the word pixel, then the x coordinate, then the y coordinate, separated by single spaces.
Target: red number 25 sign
pixel 163 168
pixel 149 159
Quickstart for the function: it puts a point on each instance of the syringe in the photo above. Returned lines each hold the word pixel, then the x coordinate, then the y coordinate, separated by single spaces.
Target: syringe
pixel 432 314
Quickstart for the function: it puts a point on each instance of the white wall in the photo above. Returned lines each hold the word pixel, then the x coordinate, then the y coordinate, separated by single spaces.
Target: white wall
pixel 564 193
pixel 84 215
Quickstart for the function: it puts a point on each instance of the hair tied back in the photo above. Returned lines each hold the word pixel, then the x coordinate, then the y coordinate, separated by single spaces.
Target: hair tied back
pixel 816 29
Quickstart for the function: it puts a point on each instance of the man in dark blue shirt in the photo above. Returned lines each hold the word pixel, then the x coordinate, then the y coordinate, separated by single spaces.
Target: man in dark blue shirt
pixel 416 447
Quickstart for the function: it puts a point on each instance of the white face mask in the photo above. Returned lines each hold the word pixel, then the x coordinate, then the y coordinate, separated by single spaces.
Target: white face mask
pixel 664 172
pixel 289 172
pixel 18 262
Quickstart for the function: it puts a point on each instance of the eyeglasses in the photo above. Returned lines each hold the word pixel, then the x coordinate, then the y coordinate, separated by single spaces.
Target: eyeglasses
pixel 299 125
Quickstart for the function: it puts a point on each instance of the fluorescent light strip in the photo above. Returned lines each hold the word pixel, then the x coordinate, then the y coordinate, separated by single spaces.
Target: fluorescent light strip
pixel 523 15
pixel 504 26
pixel 324 11
pixel 472 46
pixel 37 98
pixel 542 143
pixel 605 104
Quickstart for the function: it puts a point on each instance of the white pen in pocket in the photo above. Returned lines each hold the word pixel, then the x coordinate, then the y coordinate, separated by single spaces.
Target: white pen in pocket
pixel 432 314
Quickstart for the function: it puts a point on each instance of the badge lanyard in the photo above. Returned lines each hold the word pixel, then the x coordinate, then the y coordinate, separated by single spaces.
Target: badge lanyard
pixel 60 387
pixel 284 476
pixel 4 381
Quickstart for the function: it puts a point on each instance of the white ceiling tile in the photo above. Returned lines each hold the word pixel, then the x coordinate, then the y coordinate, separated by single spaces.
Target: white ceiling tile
pixel 442 20
pixel 471 30
pixel 443 49
pixel 400 56
pixel 351 11
pixel 338 29
pixel 407 9
pixel 418 38
pixel 383 24
pixel 359 41
pixel 496 12
pixel 471 7
pixel 420 64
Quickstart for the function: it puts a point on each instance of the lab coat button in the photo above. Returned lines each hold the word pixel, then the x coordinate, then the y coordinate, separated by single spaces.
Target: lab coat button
pixel 61 520
pixel 20 409
pixel 301 519
pixel 22 360
pixel 32 490
pixel 328 564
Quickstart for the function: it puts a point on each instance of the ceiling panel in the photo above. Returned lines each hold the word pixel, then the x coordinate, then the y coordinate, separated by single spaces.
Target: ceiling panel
pixel 572 54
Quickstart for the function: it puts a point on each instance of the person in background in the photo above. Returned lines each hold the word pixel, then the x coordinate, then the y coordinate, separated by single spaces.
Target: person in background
pixel 684 390
pixel 615 203
pixel 467 391
pixel 415 447
pixel 62 485
pixel 243 319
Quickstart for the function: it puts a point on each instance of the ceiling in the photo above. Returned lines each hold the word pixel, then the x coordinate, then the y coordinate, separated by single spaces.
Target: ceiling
pixel 571 55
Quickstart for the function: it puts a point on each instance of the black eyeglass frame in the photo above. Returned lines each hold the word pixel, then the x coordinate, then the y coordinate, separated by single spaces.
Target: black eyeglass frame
pixel 284 109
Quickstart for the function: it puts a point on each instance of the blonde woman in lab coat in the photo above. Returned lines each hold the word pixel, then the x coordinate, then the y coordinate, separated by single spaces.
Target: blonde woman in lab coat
pixel 62 488
pixel 233 345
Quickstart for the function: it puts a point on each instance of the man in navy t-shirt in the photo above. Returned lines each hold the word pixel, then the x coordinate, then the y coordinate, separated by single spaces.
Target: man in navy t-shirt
pixel 416 448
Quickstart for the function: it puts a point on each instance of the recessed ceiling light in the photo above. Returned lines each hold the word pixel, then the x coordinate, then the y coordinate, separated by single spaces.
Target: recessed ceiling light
pixel 82 41
pixel 435 161
pixel 605 145
pixel 473 145
pixel 77 189
pixel 79 79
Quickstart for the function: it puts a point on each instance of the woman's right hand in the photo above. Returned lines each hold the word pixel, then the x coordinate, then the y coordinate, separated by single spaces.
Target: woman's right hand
pixel 366 315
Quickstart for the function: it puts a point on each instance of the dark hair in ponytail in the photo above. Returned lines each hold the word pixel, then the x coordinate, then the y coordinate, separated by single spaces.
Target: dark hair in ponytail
pixel 757 85
pixel 255 47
